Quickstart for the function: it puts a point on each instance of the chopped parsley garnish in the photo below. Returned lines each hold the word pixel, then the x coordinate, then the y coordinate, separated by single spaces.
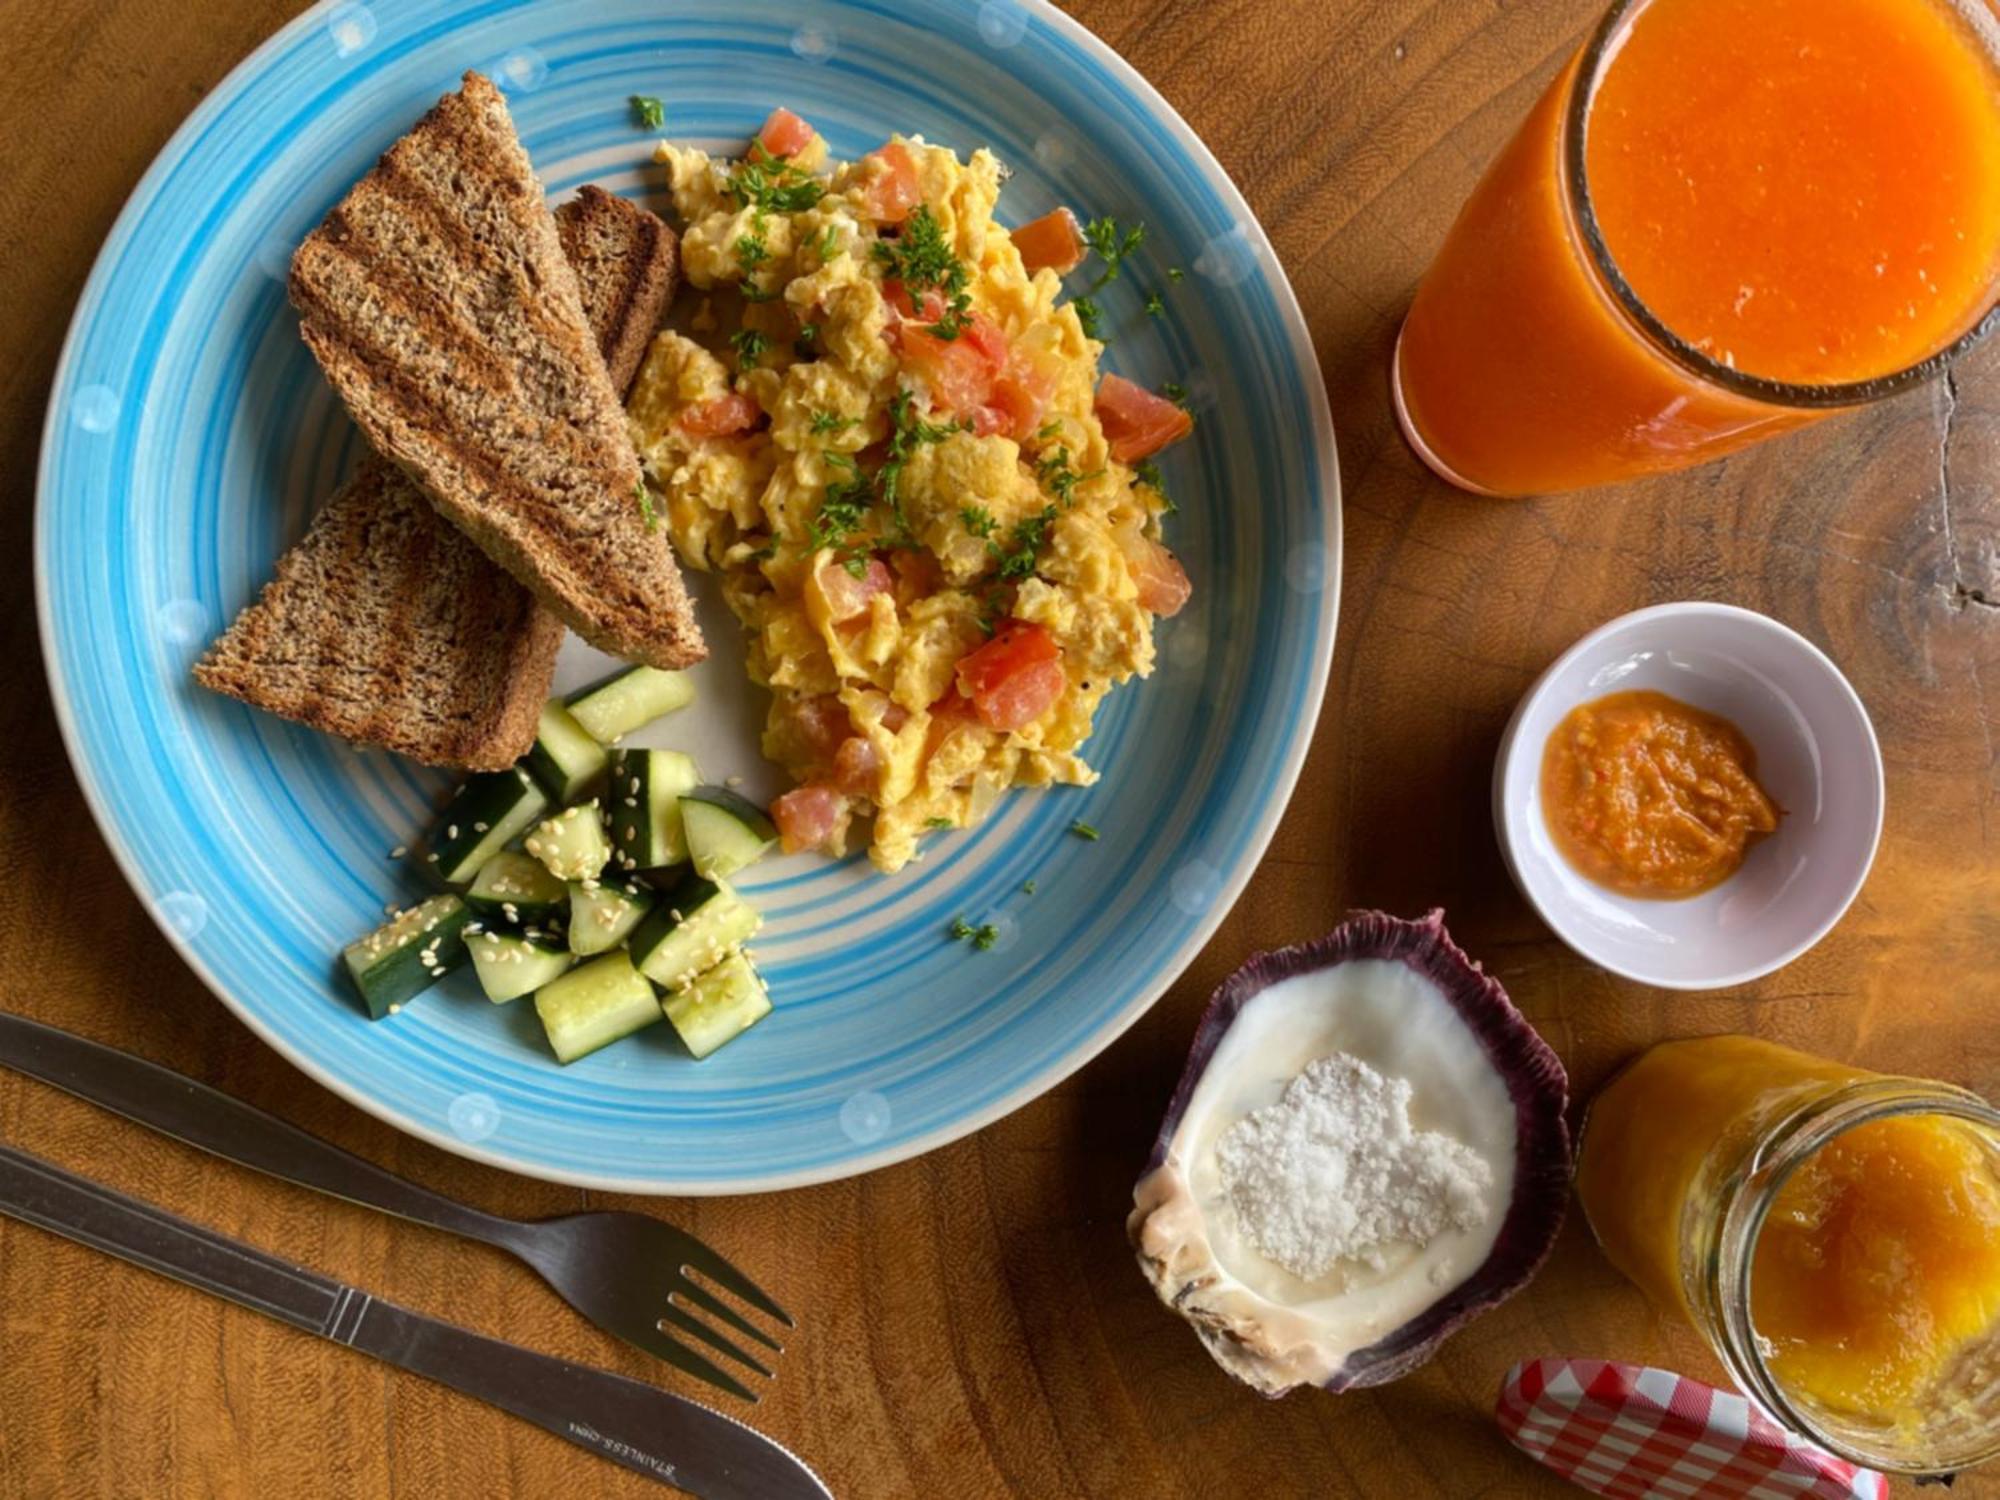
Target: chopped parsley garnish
pixel 844 506
pixel 982 937
pixel 1050 429
pixel 802 346
pixel 856 565
pixel 646 512
pixel 1084 830
pixel 1112 246
pixel 1175 273
pixel 651 112
pixel 766 552
pixel 1090 317
pixel 824 421
pixel 1017 560
pixel 848 498
pixel 1027 887
pixel 978 520
pixel 1155 308
pixel 772 185
pixel 937 822
pixel 828 243
pixel 1059 478
pixel 751 252
pixel 920 258
pixel 749 345
pixel 1148 473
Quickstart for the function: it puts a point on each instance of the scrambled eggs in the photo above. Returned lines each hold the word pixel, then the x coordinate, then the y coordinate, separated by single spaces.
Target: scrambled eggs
pixel 881 431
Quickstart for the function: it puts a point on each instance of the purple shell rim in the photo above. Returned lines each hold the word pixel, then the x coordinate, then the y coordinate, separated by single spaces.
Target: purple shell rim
pixel 1537 1084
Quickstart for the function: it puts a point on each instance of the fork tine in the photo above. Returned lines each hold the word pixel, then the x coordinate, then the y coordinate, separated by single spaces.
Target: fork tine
pixel 687 1322
pixel 710 1263
pixel 703 1298
pixel 665 1346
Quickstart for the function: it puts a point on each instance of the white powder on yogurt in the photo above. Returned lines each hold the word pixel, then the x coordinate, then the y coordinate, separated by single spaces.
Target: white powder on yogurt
pixel 1334 1171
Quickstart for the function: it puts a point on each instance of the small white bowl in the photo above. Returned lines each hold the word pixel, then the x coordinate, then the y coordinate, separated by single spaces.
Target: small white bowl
pixel 1816 756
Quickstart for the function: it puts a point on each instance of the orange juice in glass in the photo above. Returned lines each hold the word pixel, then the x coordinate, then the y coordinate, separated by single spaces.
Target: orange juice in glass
pixel 1725 219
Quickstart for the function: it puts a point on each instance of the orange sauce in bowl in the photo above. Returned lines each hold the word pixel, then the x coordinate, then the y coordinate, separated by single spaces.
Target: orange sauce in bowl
pixel 1650 797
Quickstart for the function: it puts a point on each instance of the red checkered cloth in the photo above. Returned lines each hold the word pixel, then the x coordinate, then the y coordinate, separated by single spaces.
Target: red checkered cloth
pixel 1633 1432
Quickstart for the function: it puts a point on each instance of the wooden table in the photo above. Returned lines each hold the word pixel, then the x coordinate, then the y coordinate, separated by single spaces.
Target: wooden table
pixel 973 1321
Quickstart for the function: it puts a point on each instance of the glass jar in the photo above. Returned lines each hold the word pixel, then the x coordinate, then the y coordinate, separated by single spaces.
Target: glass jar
pixel 1683 1173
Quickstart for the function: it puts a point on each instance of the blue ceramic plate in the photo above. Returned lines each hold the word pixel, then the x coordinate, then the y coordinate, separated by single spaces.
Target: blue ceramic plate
pixel 190 436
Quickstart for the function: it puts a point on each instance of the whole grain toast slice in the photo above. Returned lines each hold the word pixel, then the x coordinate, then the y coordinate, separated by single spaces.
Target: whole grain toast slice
pixel 627 264
pixel 437 300
pixel 385 624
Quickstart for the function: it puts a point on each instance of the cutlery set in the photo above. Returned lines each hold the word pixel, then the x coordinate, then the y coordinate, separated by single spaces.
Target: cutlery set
pixel 633 1276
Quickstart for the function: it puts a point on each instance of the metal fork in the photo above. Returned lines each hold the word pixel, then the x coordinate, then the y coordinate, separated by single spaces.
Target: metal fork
pixel 631 1275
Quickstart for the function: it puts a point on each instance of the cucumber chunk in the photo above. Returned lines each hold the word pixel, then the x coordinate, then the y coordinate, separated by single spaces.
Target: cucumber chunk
pixel 408 954
pixel 510 964
pixel 517 890
pixel 611 709
pixel 644 800
pixel 724 832
pixel 572 845
pixel 719 1006
pixel 564 758
pixel 602 916
pixel 697 924
pixel 482 817
pixel 595 1005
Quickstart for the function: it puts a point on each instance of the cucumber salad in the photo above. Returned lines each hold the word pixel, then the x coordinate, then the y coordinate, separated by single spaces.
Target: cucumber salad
pixel 594 878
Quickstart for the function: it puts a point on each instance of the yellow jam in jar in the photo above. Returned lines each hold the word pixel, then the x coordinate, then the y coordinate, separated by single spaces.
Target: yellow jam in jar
pixel 1873 1289
pixel 1879 1263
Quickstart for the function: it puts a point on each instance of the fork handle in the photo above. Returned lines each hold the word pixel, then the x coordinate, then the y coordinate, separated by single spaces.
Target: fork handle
pixel 178 1106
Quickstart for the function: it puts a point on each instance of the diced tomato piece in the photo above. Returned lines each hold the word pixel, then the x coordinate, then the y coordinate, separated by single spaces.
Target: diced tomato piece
pixel 1136 422
pixel 722 417
pixel 1163 582
pixel 1014 678
pixel 892 192
pixel 1055 240
pixel 953 705
pixel 806 816
pixel 1021 393
pixel 847 596
pixel 785 134
pixel 959 371
pixel 897 295
pixel 821 724
pixel 855 766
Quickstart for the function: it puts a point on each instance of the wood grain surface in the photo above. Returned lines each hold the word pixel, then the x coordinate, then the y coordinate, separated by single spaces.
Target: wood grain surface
pixel 972 1323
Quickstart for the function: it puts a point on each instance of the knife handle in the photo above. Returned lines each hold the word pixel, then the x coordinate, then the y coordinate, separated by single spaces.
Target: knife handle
pixel 107 1220
pixel 193 1112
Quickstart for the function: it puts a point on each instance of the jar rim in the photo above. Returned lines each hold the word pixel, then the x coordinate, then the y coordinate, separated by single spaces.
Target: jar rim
pixel 1596 57
pixel 1796 1140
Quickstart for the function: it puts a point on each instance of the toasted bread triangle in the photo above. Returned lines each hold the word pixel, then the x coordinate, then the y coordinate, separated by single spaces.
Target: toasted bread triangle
pixel 437 299
pixel 385 624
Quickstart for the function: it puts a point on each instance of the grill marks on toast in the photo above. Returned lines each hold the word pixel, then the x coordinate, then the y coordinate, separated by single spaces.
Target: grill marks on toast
pixel 385 624
pixel 438 301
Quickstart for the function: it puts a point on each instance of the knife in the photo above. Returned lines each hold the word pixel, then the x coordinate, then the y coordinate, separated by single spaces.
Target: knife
pixel 658 1434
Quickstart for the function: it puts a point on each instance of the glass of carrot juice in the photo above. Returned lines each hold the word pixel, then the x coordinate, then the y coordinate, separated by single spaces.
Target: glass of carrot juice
pixel 1725 219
